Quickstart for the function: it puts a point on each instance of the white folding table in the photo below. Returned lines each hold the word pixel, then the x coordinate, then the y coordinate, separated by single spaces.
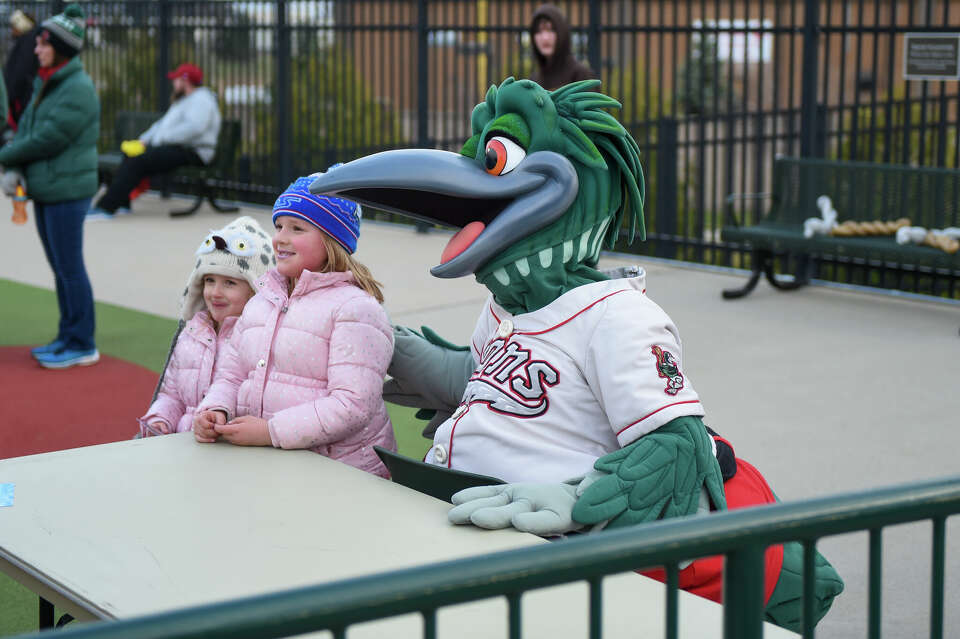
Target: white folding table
pixel 142 526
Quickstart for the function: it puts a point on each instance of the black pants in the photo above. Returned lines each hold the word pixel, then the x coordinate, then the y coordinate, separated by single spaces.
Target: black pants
pixel 156 159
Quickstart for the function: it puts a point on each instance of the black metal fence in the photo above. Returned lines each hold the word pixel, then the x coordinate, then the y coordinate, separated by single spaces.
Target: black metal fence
pixel 712 90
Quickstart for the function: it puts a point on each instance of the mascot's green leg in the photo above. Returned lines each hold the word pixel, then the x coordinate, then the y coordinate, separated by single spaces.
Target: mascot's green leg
pixel 785 607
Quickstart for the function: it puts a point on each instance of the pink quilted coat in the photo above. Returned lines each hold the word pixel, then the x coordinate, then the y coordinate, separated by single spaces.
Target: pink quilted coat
pixel 312 364
pixel 189 373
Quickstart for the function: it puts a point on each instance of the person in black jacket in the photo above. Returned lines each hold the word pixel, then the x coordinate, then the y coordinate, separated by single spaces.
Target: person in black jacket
pixel 21 65
pixel 551 43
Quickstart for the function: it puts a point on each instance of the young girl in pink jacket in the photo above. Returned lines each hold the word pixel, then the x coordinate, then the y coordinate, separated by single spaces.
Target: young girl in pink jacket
pixel 229 263
pixel 306 363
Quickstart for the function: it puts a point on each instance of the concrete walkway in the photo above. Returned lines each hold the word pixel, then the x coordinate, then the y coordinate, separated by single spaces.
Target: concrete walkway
pixel 824 390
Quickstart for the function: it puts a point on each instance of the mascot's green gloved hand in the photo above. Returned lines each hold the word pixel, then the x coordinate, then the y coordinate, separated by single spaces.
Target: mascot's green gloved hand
pixel 428 373
pixel 660 475
pixel 541 509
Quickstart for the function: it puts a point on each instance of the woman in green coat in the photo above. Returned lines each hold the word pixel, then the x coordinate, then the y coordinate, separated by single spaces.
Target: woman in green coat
pixel 54 155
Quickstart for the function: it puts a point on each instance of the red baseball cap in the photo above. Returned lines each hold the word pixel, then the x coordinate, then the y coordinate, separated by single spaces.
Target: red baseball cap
pixel 191 72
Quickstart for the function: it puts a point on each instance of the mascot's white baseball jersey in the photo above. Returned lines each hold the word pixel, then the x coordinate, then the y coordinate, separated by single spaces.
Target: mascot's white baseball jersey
pixel 557 388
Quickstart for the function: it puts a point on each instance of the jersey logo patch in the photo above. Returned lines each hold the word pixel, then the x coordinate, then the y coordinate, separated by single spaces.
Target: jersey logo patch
pixel 668 369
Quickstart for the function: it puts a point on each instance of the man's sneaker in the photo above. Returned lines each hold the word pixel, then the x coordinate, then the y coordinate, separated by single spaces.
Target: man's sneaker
pixel 52 347
pixel 96 214
pixel 122 210
pixel 69 357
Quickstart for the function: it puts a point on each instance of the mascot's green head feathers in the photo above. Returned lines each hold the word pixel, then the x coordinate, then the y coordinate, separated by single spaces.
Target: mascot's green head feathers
pixel 570 121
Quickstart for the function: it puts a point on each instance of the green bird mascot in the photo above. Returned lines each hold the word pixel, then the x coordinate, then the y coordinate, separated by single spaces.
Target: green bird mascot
pixel 570 410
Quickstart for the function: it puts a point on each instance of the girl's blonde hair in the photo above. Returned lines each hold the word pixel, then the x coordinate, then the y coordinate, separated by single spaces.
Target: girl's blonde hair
pixel 339 260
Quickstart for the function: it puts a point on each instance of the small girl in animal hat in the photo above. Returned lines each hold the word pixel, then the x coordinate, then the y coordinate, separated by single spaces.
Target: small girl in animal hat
pixel 306 364
pixel 229 263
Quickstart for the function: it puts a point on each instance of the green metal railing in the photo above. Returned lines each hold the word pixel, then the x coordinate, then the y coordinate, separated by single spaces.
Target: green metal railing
pixel 740 535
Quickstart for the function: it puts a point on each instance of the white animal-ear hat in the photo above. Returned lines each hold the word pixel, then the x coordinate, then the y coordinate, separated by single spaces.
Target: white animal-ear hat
pixel 241 250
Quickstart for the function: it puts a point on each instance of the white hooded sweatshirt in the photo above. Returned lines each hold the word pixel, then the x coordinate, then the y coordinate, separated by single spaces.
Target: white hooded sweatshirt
pixel 192 121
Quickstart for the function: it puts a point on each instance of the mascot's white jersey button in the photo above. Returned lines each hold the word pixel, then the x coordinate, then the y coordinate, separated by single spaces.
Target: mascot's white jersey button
pixel 505 328
pixel 439 454
pixel 261 363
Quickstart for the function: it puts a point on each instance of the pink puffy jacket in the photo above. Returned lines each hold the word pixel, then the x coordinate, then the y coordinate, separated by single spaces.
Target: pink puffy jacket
pixel 189 373
pixel 312 364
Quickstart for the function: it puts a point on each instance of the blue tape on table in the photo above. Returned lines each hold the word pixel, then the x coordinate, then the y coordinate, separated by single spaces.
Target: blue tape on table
pixel 6 495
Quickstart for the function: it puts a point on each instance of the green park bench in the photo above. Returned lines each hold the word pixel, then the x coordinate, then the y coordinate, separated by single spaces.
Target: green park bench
pixel 859 191
pixel 130 124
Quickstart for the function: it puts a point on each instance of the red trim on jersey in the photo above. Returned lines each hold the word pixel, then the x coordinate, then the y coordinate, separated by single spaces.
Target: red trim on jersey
pixel 452 430
pixel 628 426
pixel 494 315
pixel 571 318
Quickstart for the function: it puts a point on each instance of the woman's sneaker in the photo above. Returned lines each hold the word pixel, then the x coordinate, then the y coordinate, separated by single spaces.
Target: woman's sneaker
pixel 69 357
pixel 96 214
pixel 52 347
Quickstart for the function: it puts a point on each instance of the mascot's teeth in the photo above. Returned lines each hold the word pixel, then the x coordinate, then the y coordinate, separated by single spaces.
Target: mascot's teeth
pixel 522 267
pixel 546 257
pixel 567 251
pixel 598 241
pixel 502 277
pixel 584 241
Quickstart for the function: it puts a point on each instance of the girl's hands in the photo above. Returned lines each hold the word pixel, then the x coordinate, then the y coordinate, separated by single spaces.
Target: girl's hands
pixel 245 431
pixel 204 423
pixel 157 427
pixel 242 431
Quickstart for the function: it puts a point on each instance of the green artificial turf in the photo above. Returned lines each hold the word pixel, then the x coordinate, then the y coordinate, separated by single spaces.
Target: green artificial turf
pixel 19 608
pixel 29 316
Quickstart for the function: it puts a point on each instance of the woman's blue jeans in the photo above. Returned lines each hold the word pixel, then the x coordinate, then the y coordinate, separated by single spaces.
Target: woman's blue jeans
pixel 60 227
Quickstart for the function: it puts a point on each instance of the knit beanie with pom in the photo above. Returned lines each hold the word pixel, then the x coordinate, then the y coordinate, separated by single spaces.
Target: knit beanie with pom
pixel 241 250
pixel 65 31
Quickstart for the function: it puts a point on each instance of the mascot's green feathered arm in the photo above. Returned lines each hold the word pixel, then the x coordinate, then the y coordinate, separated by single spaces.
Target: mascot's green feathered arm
pixel 663 474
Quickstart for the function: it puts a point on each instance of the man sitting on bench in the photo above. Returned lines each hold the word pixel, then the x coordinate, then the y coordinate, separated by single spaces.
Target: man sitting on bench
pixel 186 134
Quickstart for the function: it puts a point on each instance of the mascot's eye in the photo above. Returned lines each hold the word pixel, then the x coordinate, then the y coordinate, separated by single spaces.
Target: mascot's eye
pixel 502 155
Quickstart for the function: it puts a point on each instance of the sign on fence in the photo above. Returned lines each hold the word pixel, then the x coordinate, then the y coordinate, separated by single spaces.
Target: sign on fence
pixel 931 56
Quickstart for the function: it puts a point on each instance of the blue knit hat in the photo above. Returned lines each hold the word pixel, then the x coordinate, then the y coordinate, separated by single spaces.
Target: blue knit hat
pixel 339 218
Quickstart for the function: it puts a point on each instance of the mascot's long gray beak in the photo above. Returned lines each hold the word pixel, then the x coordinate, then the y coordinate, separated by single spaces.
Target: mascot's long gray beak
pixel 454 190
